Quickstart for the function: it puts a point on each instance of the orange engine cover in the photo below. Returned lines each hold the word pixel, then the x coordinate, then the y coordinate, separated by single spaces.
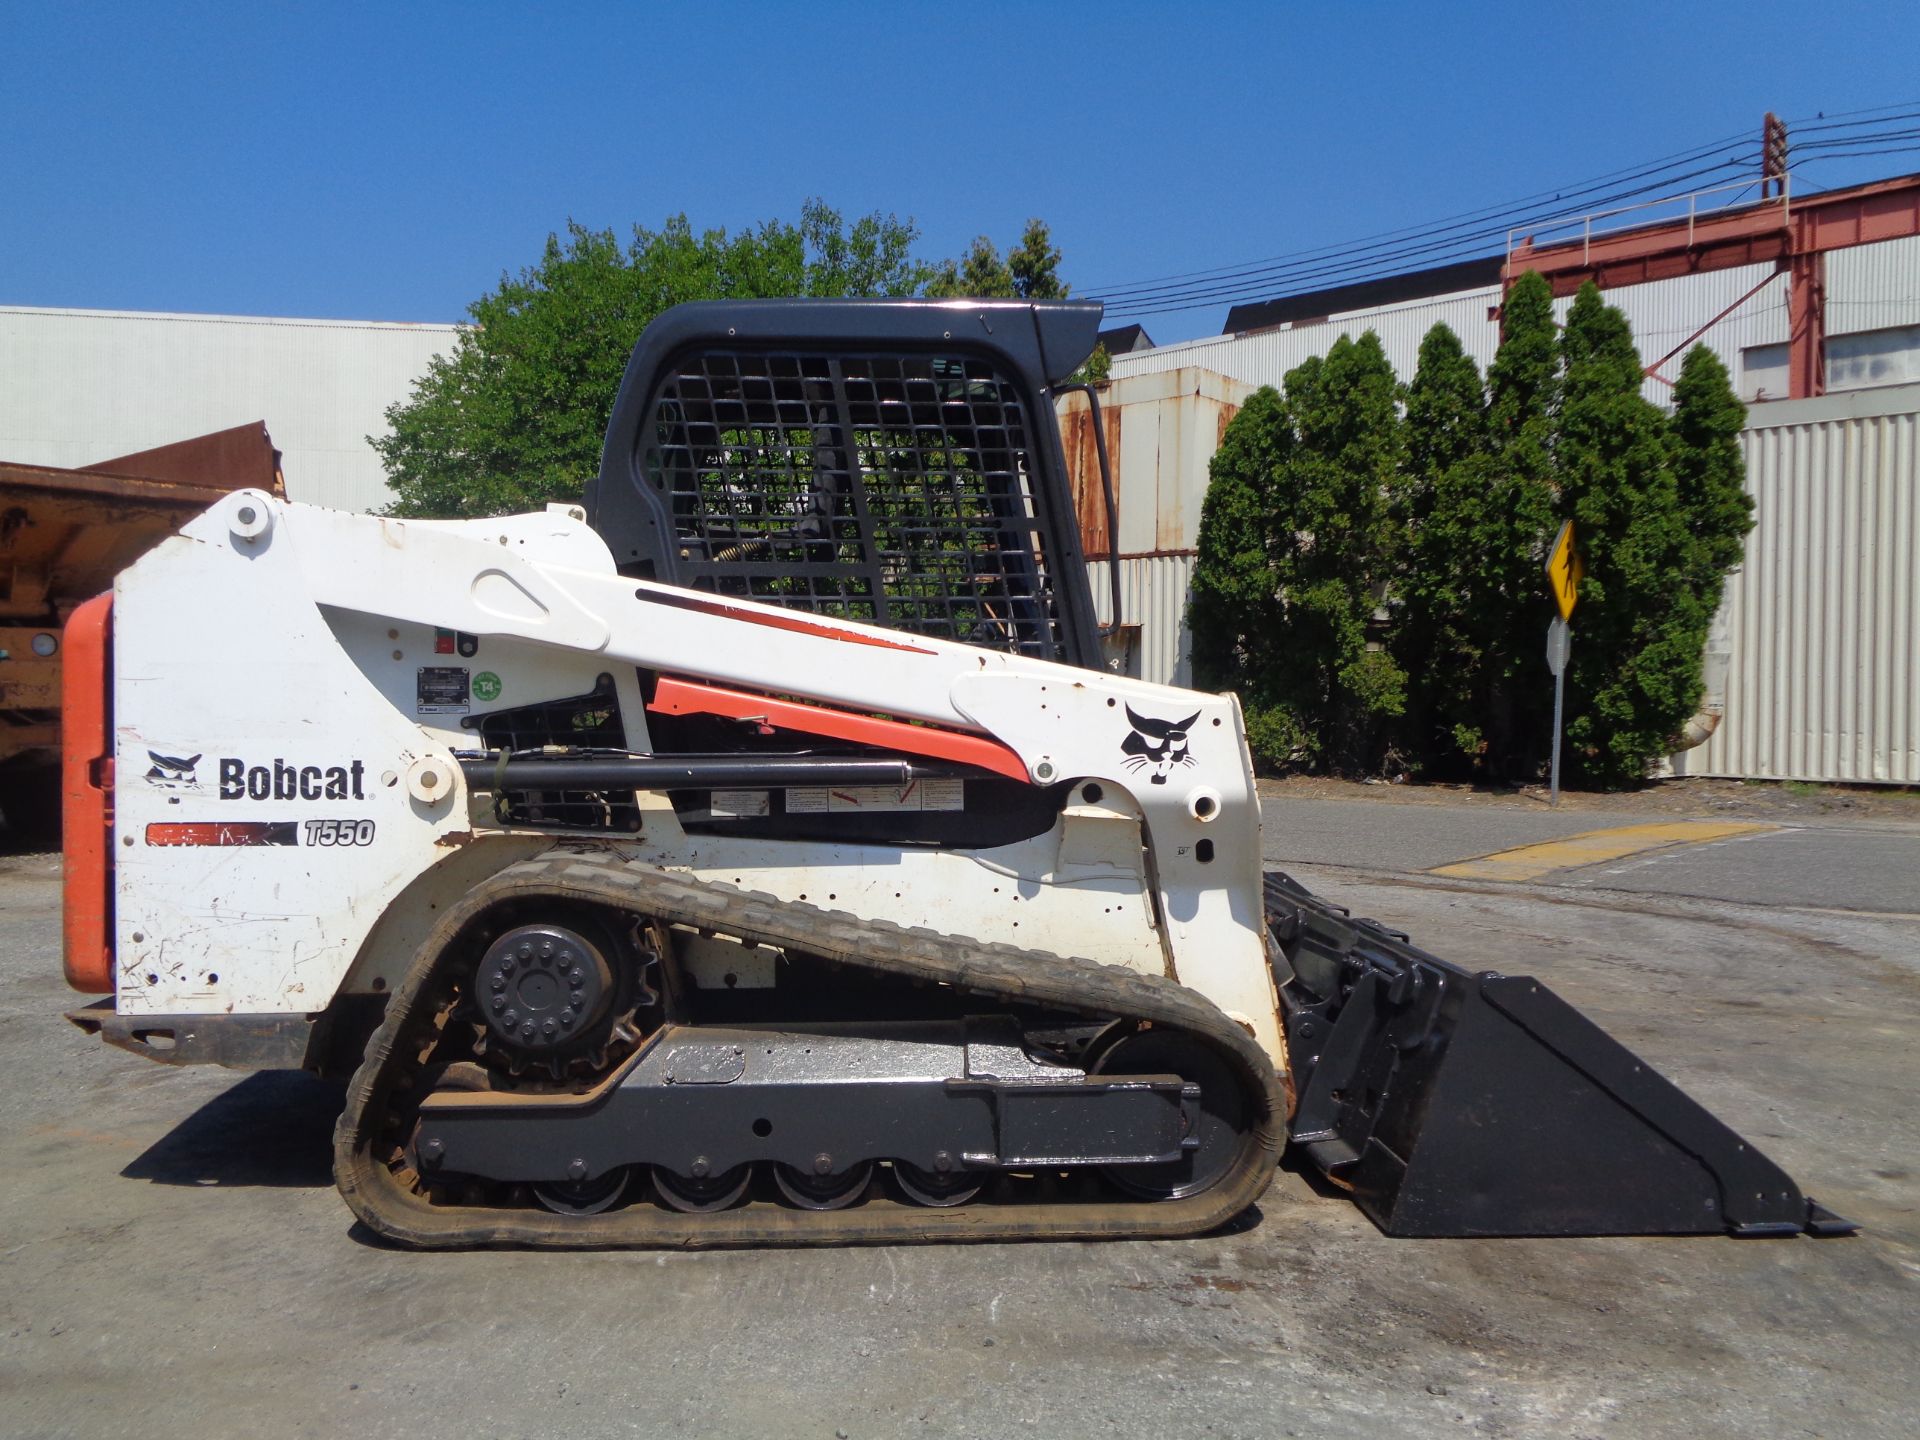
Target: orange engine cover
pixel 86 788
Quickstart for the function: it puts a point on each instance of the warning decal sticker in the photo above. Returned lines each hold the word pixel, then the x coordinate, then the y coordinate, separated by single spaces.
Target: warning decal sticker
pixel 878 799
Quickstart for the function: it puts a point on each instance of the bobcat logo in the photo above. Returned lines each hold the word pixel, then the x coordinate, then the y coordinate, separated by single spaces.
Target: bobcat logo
pixel 170 772
pixel 1161 744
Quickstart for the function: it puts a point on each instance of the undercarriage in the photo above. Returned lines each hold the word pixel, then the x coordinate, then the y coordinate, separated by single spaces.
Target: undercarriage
pixel 958 1090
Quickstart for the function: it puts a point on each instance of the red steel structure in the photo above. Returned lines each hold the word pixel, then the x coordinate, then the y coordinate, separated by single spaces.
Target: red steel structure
pixel 1791 233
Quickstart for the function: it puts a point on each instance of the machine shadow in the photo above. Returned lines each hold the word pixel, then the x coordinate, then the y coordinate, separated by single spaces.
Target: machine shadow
pixel 272 1129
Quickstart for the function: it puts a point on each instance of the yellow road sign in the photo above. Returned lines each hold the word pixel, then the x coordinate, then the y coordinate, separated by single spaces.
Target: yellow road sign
pixel 1565 571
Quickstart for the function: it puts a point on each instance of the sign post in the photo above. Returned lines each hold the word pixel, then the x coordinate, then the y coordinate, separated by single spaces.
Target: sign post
pixel 1559 643
pixel 1564 573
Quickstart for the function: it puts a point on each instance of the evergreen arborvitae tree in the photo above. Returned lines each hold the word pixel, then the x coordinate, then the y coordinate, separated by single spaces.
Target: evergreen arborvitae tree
pixel 1709 472
pixel 1348 473
pixel 1231 608
pixel 1640 626
pixel 1234 610
pixel 1442 515
pixel 1508 728
pixel 1296 540
pixel 1331 539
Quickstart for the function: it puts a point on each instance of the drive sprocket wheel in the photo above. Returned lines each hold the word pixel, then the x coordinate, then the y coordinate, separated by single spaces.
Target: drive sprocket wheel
pixel 561 1001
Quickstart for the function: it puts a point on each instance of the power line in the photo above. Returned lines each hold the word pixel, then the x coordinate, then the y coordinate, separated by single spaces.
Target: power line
pixel 1851 124
pixel 1483 216
pixel 1631 172
pixel 1421 242
pixel 1437 248
pixel 1490 224
pixel 1843 114
pixel 1390 252
pixel 1841 142
pixel 1862 154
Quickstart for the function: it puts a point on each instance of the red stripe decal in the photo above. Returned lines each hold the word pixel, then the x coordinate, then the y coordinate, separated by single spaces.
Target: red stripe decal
pixel 223 832
pixel 778 620
pixel 685 697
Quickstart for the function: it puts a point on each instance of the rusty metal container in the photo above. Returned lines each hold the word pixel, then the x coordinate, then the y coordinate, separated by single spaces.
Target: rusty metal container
pixel 64 535
pixel 1162 429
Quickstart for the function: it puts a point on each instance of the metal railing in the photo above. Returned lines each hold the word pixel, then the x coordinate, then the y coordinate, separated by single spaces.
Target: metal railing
pixel 1590 225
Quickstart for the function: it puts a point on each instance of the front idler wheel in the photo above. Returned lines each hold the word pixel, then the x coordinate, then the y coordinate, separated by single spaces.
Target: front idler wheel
pixel 1222 1127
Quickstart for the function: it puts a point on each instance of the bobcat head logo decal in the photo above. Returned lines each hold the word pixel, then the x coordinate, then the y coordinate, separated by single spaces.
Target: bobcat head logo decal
pixel 172 772
pixel 1160 744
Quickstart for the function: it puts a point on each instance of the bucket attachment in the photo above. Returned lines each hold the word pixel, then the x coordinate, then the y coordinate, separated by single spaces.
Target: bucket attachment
pixel 1458 1103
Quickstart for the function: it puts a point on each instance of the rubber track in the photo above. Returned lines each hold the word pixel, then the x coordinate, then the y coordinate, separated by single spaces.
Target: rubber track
pixel 1006 972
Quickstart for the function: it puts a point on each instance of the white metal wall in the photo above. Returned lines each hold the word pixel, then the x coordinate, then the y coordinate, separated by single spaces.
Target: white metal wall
pixel 1263 357
pixel 79 386
pixel 1153 595
pixel 1874 287
pixel 1162 430
pixel 1824 678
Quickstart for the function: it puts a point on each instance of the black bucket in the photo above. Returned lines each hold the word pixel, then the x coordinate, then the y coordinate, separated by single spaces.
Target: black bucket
pixel 1455 1103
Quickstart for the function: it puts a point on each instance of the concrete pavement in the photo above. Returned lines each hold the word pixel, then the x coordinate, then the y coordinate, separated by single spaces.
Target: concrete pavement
pixel 1760 859
pixel 174 1261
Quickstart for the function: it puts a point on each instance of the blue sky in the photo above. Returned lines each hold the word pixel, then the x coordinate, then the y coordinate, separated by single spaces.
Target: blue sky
pixel 389 162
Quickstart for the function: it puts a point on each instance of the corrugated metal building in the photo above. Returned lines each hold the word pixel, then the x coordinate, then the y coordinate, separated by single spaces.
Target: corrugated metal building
pixel 1823 618
pixel 77 386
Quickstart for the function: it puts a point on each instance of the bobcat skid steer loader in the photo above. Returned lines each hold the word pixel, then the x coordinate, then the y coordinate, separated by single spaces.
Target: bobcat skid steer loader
pixel 761 853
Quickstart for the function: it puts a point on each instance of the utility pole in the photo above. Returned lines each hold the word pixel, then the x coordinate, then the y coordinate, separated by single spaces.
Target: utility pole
pixel 1773 156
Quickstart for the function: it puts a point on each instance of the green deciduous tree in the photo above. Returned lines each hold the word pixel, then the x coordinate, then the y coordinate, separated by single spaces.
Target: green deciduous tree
pixel 1030 271
pixel 513 417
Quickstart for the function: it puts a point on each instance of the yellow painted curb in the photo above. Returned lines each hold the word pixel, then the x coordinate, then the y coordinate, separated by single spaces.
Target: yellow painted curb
pixel 1530 862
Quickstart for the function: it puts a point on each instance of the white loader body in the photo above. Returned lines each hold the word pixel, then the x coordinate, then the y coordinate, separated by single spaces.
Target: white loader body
pixel 291 662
